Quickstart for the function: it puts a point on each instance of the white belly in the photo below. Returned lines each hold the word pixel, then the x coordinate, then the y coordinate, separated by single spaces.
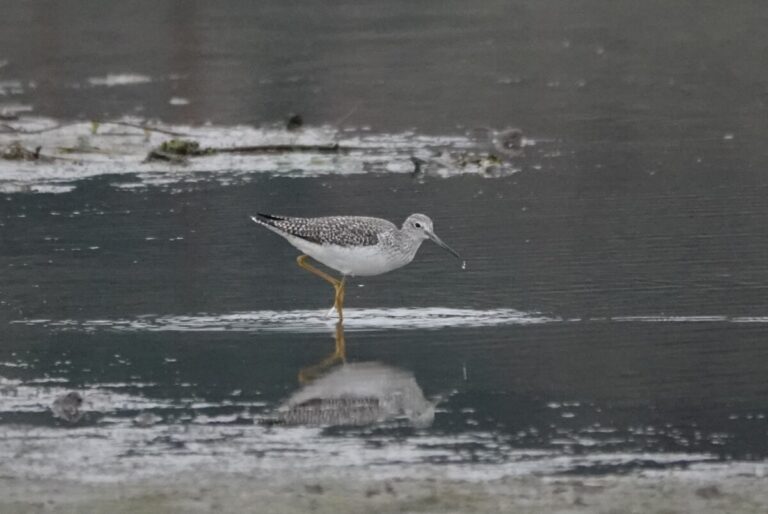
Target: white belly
pixel 355 261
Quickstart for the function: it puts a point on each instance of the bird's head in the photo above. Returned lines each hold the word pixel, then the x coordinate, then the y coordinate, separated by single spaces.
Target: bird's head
pixel 420 227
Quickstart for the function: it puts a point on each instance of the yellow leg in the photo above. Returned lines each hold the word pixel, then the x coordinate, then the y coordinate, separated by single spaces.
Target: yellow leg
pixel 338 301
pixel 338 285
pixel 338 356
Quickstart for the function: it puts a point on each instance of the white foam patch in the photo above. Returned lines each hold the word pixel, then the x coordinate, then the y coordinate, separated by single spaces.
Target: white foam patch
pixel 750 319
pixel 80 150
pixel 11 87
pixel 671 319
pixel 119 79
pixel 123 451
pixel 308 321
pixel 36 396
pixel 99 398
pixel 690 319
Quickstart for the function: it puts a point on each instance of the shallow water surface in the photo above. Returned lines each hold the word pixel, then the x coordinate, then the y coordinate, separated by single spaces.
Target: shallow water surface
pixel 612 317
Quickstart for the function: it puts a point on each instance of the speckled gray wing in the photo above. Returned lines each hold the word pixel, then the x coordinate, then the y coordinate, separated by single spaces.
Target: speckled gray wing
pixel 334 230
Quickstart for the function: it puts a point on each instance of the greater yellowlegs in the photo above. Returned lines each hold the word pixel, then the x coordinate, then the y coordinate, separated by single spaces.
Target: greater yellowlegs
pixel 353 245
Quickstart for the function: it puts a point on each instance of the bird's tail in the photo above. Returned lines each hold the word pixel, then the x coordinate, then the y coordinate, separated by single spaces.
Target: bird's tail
pixel 268 220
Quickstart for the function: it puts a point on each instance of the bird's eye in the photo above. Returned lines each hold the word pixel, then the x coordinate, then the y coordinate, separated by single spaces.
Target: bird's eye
pixel 417 225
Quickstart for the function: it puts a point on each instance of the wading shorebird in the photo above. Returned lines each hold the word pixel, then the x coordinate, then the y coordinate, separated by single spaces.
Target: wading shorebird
pixel 353 245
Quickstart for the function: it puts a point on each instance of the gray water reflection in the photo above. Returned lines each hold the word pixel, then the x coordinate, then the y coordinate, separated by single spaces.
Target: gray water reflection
pixel 358 394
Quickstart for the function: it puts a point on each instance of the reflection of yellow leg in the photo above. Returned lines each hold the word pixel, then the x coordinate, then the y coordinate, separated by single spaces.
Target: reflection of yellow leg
pixel 339 356
pixel 338 301
pixel 338 285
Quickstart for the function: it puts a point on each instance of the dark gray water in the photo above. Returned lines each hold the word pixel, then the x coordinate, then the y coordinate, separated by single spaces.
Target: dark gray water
pixel 614 309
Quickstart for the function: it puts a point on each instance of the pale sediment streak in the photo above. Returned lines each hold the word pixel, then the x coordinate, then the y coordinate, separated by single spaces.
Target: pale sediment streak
pixel 317 321
pixel 307 321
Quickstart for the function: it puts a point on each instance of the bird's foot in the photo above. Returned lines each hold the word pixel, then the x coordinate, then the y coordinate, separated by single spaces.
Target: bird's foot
pixel 338 301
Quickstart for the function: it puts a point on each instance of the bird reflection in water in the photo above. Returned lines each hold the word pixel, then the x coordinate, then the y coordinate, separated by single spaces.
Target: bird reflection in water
pixel 335 392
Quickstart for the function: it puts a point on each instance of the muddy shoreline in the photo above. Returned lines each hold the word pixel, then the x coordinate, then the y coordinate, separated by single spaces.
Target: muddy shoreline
pixel 287 493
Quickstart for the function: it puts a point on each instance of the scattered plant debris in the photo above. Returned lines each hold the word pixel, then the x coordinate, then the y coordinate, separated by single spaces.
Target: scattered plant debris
pixel 468 161
pixel 509 141
pixel 262 149
pixel 16 152
pixel 177 151
pixel 187 147
pixel 83 146
pixel 67 407
pixel 294 123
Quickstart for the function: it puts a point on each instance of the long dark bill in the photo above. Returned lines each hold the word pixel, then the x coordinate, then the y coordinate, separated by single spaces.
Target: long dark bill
pixel 439 242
